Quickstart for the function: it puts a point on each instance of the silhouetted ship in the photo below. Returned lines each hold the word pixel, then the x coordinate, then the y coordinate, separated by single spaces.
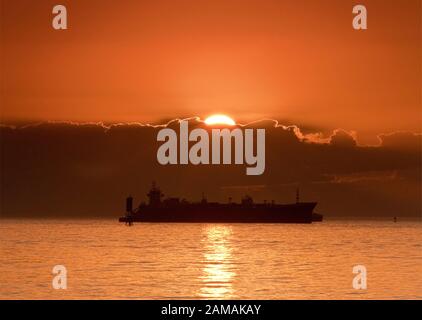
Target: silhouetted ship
pixel 176 210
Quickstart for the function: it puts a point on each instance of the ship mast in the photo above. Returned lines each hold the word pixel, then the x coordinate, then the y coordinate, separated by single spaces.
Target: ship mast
pixel 154 196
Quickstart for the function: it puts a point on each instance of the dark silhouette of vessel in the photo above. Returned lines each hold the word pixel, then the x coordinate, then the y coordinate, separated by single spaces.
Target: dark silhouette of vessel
pixel 181 211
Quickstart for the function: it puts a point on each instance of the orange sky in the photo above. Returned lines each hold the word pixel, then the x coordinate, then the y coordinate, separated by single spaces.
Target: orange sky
pixel 296 61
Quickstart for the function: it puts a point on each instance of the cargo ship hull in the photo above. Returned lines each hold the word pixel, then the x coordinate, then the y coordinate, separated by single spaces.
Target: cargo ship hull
pixel 288 213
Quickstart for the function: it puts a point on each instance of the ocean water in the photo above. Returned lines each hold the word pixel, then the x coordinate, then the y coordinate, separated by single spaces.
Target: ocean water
pixel 107 260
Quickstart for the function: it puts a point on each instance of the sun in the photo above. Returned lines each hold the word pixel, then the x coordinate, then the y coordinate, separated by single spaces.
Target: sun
pixel 219 119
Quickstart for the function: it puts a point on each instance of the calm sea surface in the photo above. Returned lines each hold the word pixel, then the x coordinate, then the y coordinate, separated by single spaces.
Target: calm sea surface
pixel 107 260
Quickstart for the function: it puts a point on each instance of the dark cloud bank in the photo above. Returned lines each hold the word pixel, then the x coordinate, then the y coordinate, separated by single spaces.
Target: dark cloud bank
pixel 65 169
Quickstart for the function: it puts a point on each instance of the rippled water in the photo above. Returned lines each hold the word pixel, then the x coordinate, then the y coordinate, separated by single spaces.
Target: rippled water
pixel 107 260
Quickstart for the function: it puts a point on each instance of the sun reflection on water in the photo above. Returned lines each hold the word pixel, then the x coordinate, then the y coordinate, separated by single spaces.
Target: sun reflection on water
pixel 218 270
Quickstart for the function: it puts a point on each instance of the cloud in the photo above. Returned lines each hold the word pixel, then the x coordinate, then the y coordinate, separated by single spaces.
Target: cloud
pixel 401 140
pixel 245 188
pixel 362 177
pixel 67 169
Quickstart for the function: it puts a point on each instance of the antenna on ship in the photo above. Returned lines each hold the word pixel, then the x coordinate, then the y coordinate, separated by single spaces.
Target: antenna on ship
pixel 297 195
pixel 129 210
pixel 204 199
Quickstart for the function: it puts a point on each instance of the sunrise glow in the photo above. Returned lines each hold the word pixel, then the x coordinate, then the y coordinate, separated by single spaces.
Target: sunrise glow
pixel 220 119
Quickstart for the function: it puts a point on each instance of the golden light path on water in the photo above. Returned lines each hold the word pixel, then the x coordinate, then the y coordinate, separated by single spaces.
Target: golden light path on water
pixel 108 260
pixel 218 270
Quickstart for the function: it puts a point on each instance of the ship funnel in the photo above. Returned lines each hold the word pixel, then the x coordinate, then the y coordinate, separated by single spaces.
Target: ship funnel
pixel 129 204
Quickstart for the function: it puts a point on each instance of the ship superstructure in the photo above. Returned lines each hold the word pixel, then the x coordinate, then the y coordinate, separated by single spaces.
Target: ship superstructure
pixel 171 210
